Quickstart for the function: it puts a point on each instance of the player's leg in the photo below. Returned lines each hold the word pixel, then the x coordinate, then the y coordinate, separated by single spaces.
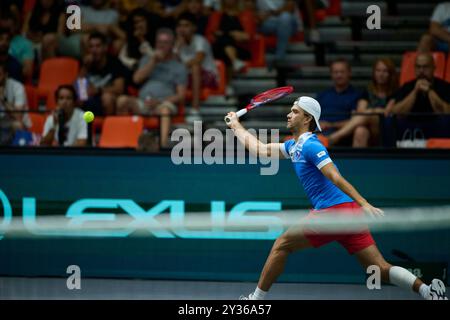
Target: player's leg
pixel 292 240
pixel 399 276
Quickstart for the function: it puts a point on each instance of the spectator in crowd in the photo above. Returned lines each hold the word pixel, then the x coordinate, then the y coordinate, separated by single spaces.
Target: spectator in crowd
pixel 308 8
pixel 69 41
pixel 139 39
pixel 196 54
pixel 67 115
pixel 41 27
pixel 12 98
pixel 14 7
pixel 424 96
pixel 99 17
pixel 438 36
pixel 339 101
pixel 20 47
pixel 280 18
pixel 373 101
pixel 163 84
pixel 12 65
pixel 211 6
pixel 228 38
pixel 169 10
pixel 141 8
pixel 105 76
pixel 197 9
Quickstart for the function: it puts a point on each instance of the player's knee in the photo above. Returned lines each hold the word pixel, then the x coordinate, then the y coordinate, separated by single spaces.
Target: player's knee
pixel 283 244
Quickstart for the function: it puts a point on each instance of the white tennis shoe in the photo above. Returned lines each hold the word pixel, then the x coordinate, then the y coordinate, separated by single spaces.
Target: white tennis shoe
pixel 437 290
pixel 249 297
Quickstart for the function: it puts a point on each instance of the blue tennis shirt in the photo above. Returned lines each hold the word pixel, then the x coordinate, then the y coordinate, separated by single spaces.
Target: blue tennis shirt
pixel 308 155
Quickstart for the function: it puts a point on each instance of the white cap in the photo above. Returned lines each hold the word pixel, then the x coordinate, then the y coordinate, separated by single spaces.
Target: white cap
pixel 310 105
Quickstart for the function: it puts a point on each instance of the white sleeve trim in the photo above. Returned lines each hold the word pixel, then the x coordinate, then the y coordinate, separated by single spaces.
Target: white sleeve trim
pixel 283 150
pixel 323 163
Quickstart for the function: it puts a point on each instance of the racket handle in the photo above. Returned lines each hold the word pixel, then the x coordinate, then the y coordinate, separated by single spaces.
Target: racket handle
pixel 239 114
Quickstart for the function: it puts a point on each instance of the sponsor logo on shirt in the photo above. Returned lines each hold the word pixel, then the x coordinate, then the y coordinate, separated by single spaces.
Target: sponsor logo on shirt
pixel 321 154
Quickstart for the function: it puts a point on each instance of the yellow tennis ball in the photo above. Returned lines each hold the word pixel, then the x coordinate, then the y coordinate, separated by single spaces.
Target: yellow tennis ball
pixel 88 116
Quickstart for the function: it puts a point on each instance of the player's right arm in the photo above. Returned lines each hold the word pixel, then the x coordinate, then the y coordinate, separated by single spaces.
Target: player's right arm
pixel 251 143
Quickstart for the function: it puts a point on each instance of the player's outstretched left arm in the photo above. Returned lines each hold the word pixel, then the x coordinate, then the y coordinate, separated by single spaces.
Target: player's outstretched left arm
pixel 330 171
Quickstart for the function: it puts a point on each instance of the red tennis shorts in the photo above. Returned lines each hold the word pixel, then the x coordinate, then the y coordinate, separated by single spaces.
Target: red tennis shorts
pixel 352 242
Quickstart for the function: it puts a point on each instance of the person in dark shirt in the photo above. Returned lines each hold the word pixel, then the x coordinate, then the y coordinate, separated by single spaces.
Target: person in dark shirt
pixel 419 104
pixel 105 76
pixel 363 126
pixel 339 101
pixel 13 66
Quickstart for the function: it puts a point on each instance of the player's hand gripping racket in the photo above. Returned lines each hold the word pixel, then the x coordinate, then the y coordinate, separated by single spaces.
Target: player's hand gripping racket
pixel 262 98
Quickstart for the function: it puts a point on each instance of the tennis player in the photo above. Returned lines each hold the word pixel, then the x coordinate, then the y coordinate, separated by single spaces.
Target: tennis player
pixel 328 191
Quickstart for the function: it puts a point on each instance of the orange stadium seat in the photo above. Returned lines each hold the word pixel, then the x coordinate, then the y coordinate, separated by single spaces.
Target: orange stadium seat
pixel 32 97
pixel 408 61
pixel 37 122
pixel 438 143
pixel 55 72
pixel 447 70
pixel 121 131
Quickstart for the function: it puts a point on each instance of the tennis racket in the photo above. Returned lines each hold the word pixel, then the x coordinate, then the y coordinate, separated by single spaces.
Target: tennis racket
pixel 262 98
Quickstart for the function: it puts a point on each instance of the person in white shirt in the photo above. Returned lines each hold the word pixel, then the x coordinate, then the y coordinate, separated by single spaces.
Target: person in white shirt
pixel 12 98
pixel 75 130
pixel 438 36
pixel 195 52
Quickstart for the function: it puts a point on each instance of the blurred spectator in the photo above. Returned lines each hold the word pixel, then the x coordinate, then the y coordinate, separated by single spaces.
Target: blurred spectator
pixel 339 101
pixel 169 10
pixel 374 99
pixel 308 8
pixel 280 18
pixel 68 41
pixel 12 98
pixel 129 8
pixel 140 35
pixel 12 65
pixel 211 6
pixel 424 97
pixel 197 9
pixel 75 130
pixel 41 27
pixel 20 47
pixel 196 54
pixel 105 76
pixel 424 94
pixel 99 17
pixel 163 84
pixel 438 36
pixel 227 36
pixel 12 6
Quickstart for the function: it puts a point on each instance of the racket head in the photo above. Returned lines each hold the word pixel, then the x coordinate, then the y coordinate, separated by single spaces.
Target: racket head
pixel 270 95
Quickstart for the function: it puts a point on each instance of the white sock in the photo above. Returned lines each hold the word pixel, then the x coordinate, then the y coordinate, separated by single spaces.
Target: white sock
pixel 259 294
pixel 401 277
pixel 424 291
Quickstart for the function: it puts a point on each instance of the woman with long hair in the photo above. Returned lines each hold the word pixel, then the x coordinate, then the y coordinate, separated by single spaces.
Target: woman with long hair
pixel 365 125
pixel 140 36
